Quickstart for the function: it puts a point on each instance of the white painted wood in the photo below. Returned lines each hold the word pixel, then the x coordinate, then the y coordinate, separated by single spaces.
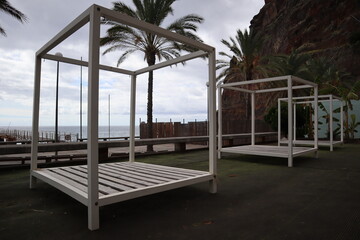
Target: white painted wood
pixel 331 123
pixel 268 151
pixel 282 89
pixel 290 122
pixel 279 122
pixel 321 98
pixel 125 19
pixel 135 193
pixel 72 180
pixel 311 142
pixel 212 120
pixel 35 121
pixel 303 81
pixel 239 89
pixel 132 119
pixel 171 62
pixel 220 134
pixel 66 32
pixel 342 122
pixel 252 118
pixel 316 109
pixel 294 106
pixel 93 114
pixel 64 186
pixel 118 182
pixel 86 64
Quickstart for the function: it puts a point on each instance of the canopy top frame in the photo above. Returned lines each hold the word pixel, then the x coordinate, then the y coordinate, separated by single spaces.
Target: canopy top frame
pixel 240 86
pixel 84 18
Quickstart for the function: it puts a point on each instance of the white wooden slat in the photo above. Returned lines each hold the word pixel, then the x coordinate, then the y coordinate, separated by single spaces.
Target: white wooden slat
pixel 102 189
pixel 154 189
pixel 67 180
pixel 149 174
pixel 70 190
pixel 138 183
pixel 190 171
pixel 261 150
pixel 181 172
pixel 158 172
pixel 106 182
pixel 129 174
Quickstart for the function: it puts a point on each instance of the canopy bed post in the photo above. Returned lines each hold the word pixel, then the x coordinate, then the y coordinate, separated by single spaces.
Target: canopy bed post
pixel 253 118
pixel 212 120
pixel 290 123
pixel 35 123
pixel 342 121
pixel 294 121
pixel 279 121
pixel 219 134
pixel 331 123
pixel 316 109
pixel 132 118
pixel 93 114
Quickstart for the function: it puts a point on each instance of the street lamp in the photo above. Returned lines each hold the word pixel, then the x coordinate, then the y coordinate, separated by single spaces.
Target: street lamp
pixel 57 97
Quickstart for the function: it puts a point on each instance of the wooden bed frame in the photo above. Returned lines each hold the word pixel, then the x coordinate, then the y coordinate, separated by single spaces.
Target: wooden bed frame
pixel 289 152
pixel 309 100
pixel 96 184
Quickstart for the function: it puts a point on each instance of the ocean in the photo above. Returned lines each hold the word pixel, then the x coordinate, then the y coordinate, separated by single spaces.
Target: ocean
pixel 73 131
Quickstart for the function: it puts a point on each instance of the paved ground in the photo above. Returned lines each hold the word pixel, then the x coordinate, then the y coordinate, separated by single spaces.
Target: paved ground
pixel 258 198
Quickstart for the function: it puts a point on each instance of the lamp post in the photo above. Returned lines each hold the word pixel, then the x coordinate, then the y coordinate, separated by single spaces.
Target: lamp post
pixel 57 98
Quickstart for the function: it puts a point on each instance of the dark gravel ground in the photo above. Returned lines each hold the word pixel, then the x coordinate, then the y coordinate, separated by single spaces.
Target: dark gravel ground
pixel 258 198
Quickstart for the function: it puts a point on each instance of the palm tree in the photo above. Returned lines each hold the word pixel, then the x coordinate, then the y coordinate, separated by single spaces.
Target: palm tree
pixel 130 40
pixel 245 58
pixel 244 61
pixel 6 7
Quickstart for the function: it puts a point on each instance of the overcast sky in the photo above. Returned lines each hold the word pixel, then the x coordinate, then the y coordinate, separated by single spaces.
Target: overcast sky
pixel 179 92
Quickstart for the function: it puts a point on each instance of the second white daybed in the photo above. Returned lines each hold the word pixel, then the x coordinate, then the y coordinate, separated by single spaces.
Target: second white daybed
pixel 289 152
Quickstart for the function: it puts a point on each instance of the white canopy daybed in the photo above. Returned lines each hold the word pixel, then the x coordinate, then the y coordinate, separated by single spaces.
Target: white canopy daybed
pixel 96 184
pixel 289 152
pixel 310 100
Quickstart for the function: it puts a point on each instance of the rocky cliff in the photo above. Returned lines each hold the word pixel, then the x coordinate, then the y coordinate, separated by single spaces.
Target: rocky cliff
pixel 328 28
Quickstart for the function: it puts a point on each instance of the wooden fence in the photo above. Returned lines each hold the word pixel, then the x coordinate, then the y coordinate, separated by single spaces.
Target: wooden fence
pixel 175 129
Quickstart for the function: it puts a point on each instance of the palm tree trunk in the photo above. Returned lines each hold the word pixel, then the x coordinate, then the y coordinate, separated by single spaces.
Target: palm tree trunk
pixel 150 148
pixel 151 58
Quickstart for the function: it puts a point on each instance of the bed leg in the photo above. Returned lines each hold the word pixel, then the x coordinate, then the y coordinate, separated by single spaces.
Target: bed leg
pixel 213 186
pixel 290 161
pixel 33 181
pixel 93 217
pixel 316 154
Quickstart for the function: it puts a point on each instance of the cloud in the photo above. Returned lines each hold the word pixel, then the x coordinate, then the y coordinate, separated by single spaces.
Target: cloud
pixel 179 91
